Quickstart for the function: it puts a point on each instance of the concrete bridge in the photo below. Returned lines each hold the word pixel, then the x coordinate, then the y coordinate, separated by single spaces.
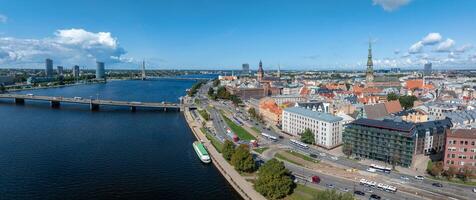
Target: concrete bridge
pixel 94 104
pixel 176 78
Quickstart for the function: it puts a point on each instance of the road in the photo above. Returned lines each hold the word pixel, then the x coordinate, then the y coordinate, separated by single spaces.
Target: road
pixel 448 190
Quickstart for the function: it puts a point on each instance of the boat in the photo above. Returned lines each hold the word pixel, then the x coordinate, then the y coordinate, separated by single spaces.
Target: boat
pixel 201 152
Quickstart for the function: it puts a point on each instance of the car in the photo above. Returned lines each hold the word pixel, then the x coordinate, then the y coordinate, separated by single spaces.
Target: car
pixel 30 95
pixel 474 190
pixel 334 158
pixel 313 155
pixel 437 184
pixel 357 192
pixel 419 177
pixel 330 186
pixel 404 178
pixel 323 154
pixel 374 197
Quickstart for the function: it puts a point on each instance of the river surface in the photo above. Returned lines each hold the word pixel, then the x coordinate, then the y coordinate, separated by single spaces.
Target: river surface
pixel 74 153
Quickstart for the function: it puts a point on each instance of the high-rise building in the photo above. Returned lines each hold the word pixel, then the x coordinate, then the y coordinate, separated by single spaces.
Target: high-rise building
pixel 260 74
pixel 369 75
pixel 279 71
pixel 100 74
pixel 49 67
pixel 59 70
pixel 427 71
pixel 76 71
pixel 245 68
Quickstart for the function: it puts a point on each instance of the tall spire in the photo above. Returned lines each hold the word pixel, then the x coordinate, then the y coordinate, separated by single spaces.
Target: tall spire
pixel 369 77
pixel 260 74
pixel 279 70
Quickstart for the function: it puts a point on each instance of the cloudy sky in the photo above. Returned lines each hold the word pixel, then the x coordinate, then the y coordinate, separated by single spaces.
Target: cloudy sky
pixel 221 34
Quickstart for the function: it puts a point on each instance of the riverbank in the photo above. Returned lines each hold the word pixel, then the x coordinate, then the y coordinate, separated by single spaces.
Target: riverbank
pixel 243 187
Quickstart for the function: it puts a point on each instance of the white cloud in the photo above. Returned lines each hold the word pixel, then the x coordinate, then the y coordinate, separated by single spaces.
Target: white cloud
pixel 431 38
pixel 67 47
pixel 464 48
pixel 416 48
pixel 3 19
pixel 390 5
pixel 445 46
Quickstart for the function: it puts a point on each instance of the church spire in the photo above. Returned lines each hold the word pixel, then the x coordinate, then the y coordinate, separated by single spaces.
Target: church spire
pixel 370 65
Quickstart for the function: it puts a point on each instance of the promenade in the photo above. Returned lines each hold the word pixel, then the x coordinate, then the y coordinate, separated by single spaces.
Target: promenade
pixel 243 187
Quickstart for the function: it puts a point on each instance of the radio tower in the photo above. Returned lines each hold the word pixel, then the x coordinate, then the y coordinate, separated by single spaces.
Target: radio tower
pixel 143 70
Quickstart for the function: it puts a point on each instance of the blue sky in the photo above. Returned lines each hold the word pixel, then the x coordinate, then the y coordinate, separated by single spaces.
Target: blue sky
pixel 220 34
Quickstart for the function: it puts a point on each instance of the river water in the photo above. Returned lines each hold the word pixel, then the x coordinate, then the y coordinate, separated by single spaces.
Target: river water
pixel 73 153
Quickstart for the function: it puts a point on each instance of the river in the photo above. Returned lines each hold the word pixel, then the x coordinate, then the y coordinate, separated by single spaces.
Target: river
pixel 74 153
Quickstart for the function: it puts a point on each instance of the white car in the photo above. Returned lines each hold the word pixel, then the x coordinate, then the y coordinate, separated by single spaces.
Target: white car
pixel 323 154
pixel 419 177
pixel 334 158
pixel 30 95
pixel 474 190
pixel 404 178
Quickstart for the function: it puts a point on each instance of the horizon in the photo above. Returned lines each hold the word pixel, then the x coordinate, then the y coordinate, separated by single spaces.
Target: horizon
pixel 214 35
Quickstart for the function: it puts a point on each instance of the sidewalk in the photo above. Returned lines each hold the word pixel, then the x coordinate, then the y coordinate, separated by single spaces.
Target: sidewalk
pixel 243 187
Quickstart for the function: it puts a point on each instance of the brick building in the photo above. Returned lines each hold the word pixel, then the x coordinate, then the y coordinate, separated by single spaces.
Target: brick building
pixel 460 149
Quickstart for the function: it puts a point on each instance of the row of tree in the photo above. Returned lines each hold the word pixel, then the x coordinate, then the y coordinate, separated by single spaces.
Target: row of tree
pixel 406 101
pixel 222 93
pixel 437 170
pixel 195 88
pixel 252 112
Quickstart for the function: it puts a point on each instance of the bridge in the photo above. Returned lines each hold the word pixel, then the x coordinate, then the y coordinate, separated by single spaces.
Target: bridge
pixel 177 78
pixel 94 104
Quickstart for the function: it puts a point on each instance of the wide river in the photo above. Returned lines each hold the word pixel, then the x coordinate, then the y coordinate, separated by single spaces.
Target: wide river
pixel 73 153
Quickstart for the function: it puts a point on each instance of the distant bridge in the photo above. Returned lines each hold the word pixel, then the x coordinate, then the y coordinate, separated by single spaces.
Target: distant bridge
pixel 177 78
pixel 94 104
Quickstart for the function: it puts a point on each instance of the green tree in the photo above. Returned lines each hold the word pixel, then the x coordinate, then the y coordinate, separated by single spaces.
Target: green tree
pixel 347 149
pixel 466 173
pixel 211 92
pixel 274 181
pixel 407 101
pixel 228 150
pixel 252 112
pixel 222 93
pixel 307 136
pixel 450 173
pixel 235 99
pixel 2 88
pixel 216 82
pixel 242 159
pixel 437 169
pixel 333 195
pixel 392 97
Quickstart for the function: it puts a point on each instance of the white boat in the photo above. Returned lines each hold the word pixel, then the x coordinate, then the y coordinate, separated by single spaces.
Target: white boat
pixel 201 152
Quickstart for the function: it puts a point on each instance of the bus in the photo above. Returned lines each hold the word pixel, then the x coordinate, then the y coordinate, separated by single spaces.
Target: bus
pixel 381 168
pixel 300 144
pixel 270 137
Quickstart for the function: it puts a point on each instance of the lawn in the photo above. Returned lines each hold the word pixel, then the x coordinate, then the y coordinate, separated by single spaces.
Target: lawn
pixel 261 150
pixel 302 156
pixel 204 114
pixel 454 180
pixel 281 157
pixel 302 192
pixel 217 144
pixel 238 130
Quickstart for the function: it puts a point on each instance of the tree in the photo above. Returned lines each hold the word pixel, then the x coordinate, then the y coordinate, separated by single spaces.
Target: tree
pixel 252 112
pixel 467 173
pixel 2 88
pixel 216 82
pixel 451 172
pixel 347 149
pixel 228 150
pixel 235 99
pixel 407 101
pixel 392 97
pixel 307 136
pixel 436 169
pixel 211 92
pixel 274 180
pixel 242 159
pixel 333 195
pixel 222 93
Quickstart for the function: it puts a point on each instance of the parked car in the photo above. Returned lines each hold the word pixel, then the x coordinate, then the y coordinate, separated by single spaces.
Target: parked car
pixel 330 186
pixel 313 155
pixel 404 178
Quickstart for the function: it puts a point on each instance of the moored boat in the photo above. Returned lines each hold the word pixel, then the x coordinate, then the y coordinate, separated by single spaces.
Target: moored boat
pixel 201 152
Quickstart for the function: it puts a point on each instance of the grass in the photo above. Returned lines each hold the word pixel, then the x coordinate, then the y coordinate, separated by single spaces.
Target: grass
pixel 261 150
pixel 217 144
pixel 256 129
pixel 204 114
pixel 238 130
pixel 302 156
pixel 281 157
pixel 302 192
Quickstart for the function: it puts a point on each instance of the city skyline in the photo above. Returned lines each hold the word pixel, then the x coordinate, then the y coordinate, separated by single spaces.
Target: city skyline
pixel 224 35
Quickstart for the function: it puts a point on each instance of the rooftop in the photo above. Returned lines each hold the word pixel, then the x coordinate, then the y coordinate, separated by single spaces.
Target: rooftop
pixel 462 133
pixel 314 114
pixel 385 124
